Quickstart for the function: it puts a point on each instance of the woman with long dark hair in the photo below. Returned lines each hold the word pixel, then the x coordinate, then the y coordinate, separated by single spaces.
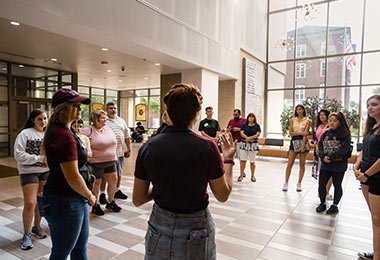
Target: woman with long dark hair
pixel 174 169
pixel 299 130
pixel 33 172
pixel 65 193
pixel 334 151
pixel 367 171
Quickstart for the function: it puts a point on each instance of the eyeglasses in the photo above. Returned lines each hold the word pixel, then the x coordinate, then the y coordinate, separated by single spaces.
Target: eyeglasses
pixel 76 106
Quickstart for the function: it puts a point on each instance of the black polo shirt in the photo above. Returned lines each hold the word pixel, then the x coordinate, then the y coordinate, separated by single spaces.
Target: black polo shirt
pixel 209 126
pixel 179 163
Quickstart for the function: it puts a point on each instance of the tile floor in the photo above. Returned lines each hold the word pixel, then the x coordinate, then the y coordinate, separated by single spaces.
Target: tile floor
pixel 259 221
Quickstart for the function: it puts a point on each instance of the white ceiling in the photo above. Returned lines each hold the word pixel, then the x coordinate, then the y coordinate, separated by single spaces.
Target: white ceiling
pixel 28 45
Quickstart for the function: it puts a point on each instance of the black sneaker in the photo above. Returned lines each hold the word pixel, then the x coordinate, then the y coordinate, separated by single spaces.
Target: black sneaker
pixel 365 255
pixel 113 206
pixel 244 175
pixel 102 199
pixel 120 195
pixel 321 208
pixel 332 210
pixel 97 210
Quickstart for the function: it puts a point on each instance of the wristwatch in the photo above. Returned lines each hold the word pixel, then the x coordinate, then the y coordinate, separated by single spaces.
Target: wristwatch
pixel 366 175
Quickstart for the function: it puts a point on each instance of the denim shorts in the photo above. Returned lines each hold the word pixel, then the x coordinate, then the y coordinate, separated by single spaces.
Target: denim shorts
pixel 169 235
pixel 29 178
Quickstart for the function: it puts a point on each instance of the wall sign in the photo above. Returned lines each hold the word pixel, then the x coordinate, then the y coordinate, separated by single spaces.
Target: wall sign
pixel 140 112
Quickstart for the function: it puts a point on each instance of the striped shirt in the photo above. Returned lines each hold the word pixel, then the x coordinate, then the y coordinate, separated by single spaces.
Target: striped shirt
pixel 121 130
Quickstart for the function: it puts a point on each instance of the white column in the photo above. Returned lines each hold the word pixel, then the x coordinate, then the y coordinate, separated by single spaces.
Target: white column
pixel 208 84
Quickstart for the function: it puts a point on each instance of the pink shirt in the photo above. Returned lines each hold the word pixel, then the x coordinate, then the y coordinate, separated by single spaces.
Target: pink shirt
pixel 320 131
pixel 103 144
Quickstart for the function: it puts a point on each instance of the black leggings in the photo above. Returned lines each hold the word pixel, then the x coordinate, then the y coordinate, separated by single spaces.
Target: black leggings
pixel 324 177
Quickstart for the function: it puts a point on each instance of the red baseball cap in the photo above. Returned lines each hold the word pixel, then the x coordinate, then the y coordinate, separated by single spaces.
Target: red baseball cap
pixel 68 95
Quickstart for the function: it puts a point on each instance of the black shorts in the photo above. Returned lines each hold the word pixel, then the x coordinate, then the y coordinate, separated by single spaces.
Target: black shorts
pixel 103 168
pixel 374 184
pixel 29 178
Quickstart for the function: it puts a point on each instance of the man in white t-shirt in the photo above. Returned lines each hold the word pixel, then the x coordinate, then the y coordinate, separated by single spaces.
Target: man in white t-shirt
pixel 122 132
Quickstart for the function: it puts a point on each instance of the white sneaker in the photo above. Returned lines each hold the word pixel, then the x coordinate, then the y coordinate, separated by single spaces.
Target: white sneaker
pixel 299 187
pixel 285 187
pixel 329 197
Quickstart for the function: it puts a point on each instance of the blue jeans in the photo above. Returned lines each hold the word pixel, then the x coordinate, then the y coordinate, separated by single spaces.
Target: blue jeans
pixel 69 226
pixel 120 166
pixel 168 236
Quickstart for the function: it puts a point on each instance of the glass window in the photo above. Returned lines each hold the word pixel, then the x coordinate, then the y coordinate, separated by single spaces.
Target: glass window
pixel 3 81
pixel 83 90
pixel 323 69
pixel 111 93
pixel 51 91
pixel 300 70
pixel 366 93
pixel 311 28
pixel 299 94
pixel 301 50
pixel 3 67
pixel 127 93
pixel 111 99
pixel 371 73
pixel 323 48
pixel 154 112
pixel 280 75
pixel 345 26
pixel 280 106
pixel 281 35
pixel 155 92
pixel 343 71
pixel 3 93
pixel 142 93
pixel 67 78
pixel 322 91
pixel 281 4
pixel 97 91
pixel 371 32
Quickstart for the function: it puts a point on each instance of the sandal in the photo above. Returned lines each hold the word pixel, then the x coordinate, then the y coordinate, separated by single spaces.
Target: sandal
pixel 253 179
pixel 240 178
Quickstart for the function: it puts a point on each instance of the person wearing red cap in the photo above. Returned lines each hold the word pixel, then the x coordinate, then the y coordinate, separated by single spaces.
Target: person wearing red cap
pixel 65 195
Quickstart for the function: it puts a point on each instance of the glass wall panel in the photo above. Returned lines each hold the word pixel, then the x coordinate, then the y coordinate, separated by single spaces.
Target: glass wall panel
pixel 3 81
pixel 371 32
pixel 343 71
pixel 278 102
pixel 3 93
pixel 67 78
pixel 281 35
pixel 154 112
pixel 310 73
pixel 155 92
pixel 345 26
pixel 111 93
pixel 84 90
pixel 311 31
pixel 371 73
pixel 3 67
pixel 366 93
pixel 281 4
pixel 141 93
pixel 280 75
pixel 97 91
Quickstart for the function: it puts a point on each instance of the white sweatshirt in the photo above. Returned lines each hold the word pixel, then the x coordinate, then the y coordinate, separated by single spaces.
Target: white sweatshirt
pixel 27 151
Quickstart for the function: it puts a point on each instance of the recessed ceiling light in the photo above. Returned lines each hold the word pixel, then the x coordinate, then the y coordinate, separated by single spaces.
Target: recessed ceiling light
pixel 120 80
pixel 104 49
pixel 15 23
pixel 146 78
pixel 109 70
pixel 21 66
pixel 4 68
pixel 157 64
pixel 53 59
pixel 97 83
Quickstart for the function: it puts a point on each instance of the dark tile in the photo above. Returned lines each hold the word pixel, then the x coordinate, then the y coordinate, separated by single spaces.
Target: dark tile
pixel 245 234
pixel 15 202
pixel 98 253
pixel 236 251
pixel 271 253
pixel 38 250
pixel 299 228
pixel 130 255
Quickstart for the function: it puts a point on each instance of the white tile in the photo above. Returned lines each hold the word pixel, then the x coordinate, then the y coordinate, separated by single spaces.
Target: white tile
pixel 254 229
pixel 46 242
pixel 355 238
pixel 229 239
pixel 224 257
pixel 344 251
pixel 309 224
pixel 132 230
pixel 144 217
pixel 94 231
pixel 305 236
pixel 134 209
pixel 108 245
pixel 216 216
pixel 297 251
pixel 139 248
pixel 10 234
pixel 5 221
pixel 222 206
pixel 115 219
pixel 7 256
pixel 6 206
